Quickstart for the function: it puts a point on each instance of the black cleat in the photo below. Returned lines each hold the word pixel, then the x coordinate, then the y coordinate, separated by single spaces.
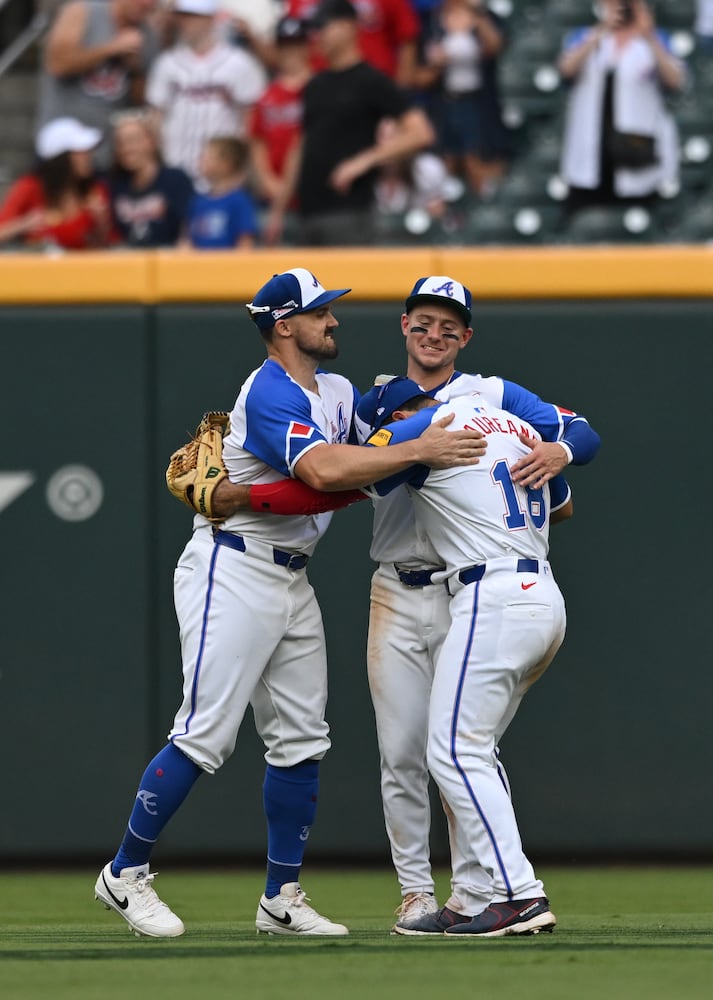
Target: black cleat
pixel 520 916
pixel 432 923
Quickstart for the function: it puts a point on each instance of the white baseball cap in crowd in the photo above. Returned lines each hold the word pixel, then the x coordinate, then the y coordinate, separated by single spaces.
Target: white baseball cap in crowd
pixel 65 135
pixel 205 7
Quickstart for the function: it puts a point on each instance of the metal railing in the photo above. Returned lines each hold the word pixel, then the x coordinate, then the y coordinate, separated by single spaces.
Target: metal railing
pixel 27 37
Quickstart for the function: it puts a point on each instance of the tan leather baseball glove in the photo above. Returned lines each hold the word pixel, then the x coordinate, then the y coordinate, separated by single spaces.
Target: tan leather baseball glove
pixel 195 470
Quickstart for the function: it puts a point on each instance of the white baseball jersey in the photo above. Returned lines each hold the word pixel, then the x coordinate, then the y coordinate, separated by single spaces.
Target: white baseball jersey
pixel 507 620
pixel 251 628
pixel 202 96
pixel 475 513
pixel 274 422
pixel 396 538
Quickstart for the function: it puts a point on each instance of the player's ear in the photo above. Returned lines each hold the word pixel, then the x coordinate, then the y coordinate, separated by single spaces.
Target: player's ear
pixel 405 324
pixel 467 334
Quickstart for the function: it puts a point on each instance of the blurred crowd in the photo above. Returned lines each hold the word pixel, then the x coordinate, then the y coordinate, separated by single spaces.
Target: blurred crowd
pixel 235 123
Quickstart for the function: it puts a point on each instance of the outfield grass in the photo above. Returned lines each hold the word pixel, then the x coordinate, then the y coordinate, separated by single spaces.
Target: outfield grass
pixel 622 933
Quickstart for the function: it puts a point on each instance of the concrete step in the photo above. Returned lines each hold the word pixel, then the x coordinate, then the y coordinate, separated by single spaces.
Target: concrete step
pixel 14 162
pixel 18 91
pixel 18 129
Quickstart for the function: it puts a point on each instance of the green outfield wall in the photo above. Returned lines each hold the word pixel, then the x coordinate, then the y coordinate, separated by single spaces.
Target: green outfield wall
pixel 610 754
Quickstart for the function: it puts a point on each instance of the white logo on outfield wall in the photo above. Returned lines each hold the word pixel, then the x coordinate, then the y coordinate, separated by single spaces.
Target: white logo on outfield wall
pixel 75 493
pixel 12 485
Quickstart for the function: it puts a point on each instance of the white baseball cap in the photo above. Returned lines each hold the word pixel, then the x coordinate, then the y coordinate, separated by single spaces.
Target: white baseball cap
pixel 205 7
pixel 65 135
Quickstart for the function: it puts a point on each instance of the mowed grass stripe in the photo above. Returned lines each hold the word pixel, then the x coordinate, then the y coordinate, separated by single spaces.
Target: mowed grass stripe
pixel 622 933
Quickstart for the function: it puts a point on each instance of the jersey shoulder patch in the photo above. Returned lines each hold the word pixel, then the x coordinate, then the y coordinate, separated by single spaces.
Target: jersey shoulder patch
pixel 381 438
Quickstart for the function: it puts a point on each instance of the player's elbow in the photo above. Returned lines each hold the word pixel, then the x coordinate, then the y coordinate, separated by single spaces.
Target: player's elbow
pixel 562 513
pixel 321 469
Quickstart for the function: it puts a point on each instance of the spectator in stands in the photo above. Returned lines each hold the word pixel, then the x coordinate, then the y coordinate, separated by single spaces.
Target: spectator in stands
pixel 620 143
pixel 276 120
pixel 420 182
pixel 201 87
pixel 704 25
pixel 149 200
pixel 60 203
pixel 95 61
pixel 332 167
pixel 388 34
pixel 225 216
pixel 461 51
pixel 388 37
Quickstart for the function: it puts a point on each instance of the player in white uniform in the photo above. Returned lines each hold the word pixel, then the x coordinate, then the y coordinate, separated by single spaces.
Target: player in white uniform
pixel 250 627
pixel 202 87
pixel 507 622
pixel 409 616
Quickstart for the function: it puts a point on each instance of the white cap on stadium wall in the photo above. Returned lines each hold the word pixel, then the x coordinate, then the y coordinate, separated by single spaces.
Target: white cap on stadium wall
pixel 443 291
pixel 289 293
pixel 65 135
pixel 205 7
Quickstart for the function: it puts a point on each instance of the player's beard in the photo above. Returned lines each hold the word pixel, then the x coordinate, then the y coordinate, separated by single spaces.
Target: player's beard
pixel 325 350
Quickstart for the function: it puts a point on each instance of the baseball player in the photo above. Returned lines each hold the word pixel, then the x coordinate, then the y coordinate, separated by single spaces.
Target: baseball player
pixel 507 621
pixel 250 627
pixel 202 87
pixel 409 617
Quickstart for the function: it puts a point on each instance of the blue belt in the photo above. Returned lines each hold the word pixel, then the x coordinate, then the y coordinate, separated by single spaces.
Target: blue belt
pixel 290 560
pixel 474 573
pixel 416 577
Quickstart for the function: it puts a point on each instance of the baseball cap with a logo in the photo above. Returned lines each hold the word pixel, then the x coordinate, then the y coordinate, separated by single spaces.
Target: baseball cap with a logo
pixel 289 293
pixel 392 396
pixel 291 29
pixel 388 394
pixel 442 291
pixel 207 8
pixel 65 135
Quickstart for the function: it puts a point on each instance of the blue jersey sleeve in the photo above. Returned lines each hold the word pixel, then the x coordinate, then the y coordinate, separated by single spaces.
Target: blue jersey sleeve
pixel 279 423
pixel 401 430
pixel 559 492
pixel 553 422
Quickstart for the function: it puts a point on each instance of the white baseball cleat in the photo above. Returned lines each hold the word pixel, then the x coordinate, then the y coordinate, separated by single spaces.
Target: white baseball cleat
pixel 135 899
pixel 414 906
pixel 289 913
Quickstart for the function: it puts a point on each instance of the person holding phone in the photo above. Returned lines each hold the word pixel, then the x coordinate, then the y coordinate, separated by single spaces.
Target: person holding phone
pixel 620 144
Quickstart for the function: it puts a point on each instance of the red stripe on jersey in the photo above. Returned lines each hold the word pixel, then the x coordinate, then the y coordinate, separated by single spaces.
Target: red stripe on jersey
pixel 567 413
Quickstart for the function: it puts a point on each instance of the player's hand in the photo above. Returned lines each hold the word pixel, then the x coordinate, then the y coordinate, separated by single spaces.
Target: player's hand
pixel 545 461
pixel 230 497
pixel 440 448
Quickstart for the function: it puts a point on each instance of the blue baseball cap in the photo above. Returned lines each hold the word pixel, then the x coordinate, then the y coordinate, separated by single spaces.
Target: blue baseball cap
pixel 289 293
pixel 376 406
pixel 442 291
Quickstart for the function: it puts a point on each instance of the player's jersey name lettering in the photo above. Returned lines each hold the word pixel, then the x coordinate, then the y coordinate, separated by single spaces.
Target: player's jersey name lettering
pixel 493 425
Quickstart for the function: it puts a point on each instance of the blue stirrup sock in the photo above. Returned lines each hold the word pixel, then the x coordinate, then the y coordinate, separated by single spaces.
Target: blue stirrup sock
pixel 166 783
pixel 290 801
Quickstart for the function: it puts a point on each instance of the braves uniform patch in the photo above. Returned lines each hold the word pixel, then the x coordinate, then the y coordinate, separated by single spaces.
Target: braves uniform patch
pixel 381 438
